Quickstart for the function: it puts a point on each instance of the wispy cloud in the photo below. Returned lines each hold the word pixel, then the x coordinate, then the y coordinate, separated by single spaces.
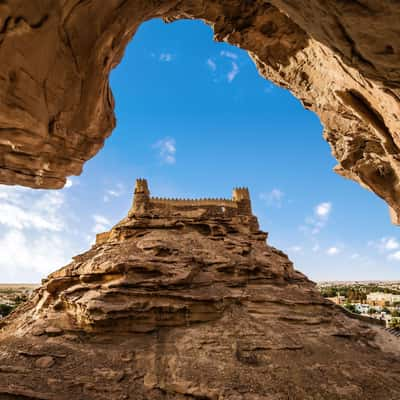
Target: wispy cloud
pixel 23 209
pixel 230 67
pixel 101 223
pixel 211 64
pixel 387 245
pixel 30 256
pixel 394 256
pixel 384 244
pixel 332 251
pixel 166 149
pixel 166 57
pixel 323 209
pixel 37 232
pixel 69 183
pixel 391 244
pixel 115 192
pixel 296 249
pixel 273 198
pixel 315 248
pixel 228 54
pixel 233 72
pixel 314 224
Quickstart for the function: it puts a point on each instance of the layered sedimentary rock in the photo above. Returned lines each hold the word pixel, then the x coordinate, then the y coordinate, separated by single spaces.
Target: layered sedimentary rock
pixel 340 58
pixel 185 300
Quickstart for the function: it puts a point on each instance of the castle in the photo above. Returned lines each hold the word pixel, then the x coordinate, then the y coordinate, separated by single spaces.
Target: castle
pixel 236 211
pixel 143 203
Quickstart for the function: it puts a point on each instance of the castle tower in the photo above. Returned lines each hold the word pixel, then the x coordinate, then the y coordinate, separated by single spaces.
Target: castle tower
pixel 141 197
pixel 242 197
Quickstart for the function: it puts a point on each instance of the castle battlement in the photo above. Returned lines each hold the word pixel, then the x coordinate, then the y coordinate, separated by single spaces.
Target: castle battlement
pixel 143 203
pixel 194 202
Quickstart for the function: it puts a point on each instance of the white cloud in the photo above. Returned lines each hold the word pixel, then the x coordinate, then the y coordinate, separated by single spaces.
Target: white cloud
pixel 394 256
pixel 167 150
pixel 166 57
pixel 273 198
pixel 323 209
pixel 231 63
pixel 318 221
pixel 385 244
pixel 22 208
pixel 101 223
pixel 391 244
pixel 355 256
pixel 228 54
pixel 212 65
pixel 315 248
pixel 233 72
pixel 332 251
pixel 118 191
pixel 69 183
pixel 36 233
pixel 296 249
pixel 16 217
pixel 37 255
pixel 231 75
pixel 388 244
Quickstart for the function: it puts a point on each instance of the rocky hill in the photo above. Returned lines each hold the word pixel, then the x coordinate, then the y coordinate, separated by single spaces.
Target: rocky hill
pixel 185 300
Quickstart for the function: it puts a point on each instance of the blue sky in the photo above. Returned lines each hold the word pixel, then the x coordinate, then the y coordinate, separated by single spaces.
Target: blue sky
pixel 195 118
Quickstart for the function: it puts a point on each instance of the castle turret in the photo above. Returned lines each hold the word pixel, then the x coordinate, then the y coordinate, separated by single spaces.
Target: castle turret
pixel 242 197
pixel 141 197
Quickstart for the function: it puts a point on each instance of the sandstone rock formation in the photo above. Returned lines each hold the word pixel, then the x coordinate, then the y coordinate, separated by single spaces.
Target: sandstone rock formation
pixel 340 58
pixel 185 300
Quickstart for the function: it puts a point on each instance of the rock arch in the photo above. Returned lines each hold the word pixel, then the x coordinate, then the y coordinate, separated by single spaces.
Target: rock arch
pixel 341 59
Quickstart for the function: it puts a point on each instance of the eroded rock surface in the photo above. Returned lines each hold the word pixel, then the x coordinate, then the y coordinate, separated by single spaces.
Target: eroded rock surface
pixel 185 300
pixel 340 58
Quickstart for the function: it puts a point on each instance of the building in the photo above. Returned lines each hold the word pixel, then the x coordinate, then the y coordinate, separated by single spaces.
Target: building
pixel 362 308
pixel 143 203
pixel 382 299
pixel 237 208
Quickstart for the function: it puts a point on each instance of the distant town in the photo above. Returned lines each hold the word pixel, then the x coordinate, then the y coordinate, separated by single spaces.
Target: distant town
pixel 373 299
pixel 12 295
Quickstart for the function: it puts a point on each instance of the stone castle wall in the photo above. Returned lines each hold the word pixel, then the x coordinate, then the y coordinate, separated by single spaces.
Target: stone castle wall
pixel 194 202
pixel 143 203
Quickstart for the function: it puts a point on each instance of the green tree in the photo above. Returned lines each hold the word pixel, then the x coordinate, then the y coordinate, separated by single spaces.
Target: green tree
pixel 351 308
pixel 395 313
pixel 5 309
pixel 395 323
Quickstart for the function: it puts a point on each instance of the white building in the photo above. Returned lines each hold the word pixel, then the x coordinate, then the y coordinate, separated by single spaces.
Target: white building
pixel 362 308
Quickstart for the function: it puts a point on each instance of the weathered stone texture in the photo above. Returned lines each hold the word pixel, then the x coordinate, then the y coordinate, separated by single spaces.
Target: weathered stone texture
pixel 340 58
pixel 180 304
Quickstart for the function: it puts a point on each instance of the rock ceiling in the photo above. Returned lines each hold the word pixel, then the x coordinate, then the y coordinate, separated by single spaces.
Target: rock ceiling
pixel 339 58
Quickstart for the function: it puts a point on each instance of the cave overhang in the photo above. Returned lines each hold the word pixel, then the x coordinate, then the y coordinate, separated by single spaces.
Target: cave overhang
pixel 340 59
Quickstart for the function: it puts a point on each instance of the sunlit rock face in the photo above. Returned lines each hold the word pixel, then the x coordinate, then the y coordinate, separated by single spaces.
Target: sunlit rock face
pixel 341 59
pixel 185 300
